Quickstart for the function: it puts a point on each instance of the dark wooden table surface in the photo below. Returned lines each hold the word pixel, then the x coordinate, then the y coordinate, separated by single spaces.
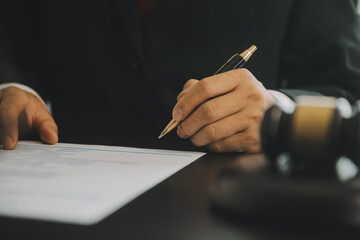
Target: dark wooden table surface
pixel 180 208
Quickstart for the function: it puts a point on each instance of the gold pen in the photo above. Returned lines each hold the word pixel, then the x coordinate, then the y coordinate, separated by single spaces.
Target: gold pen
pixel 236 61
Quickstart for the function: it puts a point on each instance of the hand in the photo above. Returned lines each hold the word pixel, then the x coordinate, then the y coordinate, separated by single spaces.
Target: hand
pixel 20 109
pixel 223 112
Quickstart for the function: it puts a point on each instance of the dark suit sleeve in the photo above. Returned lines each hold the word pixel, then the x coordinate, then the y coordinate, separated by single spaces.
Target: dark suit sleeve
pixel 321 50
pixel 20 53
pixel 8 70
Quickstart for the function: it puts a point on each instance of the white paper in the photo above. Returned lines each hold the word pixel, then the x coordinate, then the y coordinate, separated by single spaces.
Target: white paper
pixel 80 184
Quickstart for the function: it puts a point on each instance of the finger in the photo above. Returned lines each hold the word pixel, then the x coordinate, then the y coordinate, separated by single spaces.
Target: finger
pixel 180 95
pixel 205 89
pixel 221 129
pixel 48 132
pixel 188 85
pixel 44 124
pixel 210 112
pixel 12 104
pixel 246 141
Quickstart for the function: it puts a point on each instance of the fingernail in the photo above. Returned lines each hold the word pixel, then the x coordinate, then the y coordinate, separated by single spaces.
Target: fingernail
pixel 177 114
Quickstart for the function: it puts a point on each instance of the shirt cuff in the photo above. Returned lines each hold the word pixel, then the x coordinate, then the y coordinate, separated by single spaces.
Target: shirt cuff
pixel 282 99
pixel 22 87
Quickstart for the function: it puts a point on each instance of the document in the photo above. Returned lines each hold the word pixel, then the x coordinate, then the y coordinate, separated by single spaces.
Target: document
pixel 80 184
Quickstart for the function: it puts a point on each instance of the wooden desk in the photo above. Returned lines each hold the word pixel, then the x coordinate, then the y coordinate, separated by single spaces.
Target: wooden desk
pixel 178 208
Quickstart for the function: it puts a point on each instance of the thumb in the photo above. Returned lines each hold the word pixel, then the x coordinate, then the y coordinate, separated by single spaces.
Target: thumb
pixel 45 125
pixel 48 132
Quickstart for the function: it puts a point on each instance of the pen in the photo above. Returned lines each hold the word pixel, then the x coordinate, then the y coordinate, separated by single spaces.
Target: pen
pixel 236 61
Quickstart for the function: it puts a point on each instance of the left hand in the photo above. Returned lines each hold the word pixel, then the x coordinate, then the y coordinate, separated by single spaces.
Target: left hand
pixel 223 112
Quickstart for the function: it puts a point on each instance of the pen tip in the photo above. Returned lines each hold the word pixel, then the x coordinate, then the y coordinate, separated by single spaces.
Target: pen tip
pixel 163 133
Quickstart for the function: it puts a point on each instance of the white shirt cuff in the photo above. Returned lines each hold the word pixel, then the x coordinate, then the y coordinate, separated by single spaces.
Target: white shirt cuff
pixel 282 99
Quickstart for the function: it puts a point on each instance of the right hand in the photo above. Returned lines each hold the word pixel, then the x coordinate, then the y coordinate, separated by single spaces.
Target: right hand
pixel 20 109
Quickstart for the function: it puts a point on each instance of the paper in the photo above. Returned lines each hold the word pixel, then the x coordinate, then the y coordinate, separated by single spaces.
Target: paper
pixel 80 184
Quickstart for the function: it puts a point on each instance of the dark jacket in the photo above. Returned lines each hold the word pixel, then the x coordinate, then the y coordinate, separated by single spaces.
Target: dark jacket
pixel 113 80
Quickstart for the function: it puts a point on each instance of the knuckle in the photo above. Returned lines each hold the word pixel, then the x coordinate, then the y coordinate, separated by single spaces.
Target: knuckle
pixel 252 138
pixel 208 111
pixel 189 83
pixel 256 95
pixel 242 73
pixel 256 117
pixel 206 87
pixel 212 132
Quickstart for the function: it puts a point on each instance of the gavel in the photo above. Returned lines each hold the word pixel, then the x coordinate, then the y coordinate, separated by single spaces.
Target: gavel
pixel 310 170
pixel 313 134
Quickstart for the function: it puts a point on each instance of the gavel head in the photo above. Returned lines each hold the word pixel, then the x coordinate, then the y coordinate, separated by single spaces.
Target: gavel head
pixel 314 133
